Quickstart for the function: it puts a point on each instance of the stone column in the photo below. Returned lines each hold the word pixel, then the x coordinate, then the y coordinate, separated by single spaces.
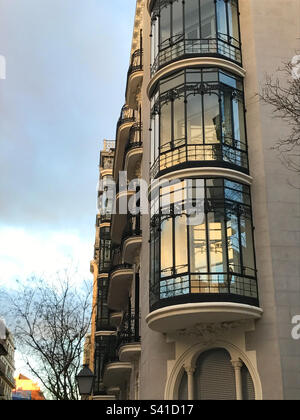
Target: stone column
pixel 237 365
pixel 190 370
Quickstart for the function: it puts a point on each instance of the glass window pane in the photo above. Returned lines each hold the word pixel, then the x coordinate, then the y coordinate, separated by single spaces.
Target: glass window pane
pixel 239 124
pixel 194 120
pixel 179 125
pixel 156 139
pixel 233 243
pixel 226 107
pixel 166 256
pixel 193 76
pixel 210 75
pixel 165 124
pixel 247 246
pixel 228 80
pixel 165 23
pixel 156 257
pixel 171 82
pixel 154 40
pixel 181 257
pixel 217 242
pixel 233 19
pixel 211 118
pixel 208 23
pixel 192 19
pixel 221 17
pixel 198 249
pixel 234 195
pixel 152 140
pixel 177 18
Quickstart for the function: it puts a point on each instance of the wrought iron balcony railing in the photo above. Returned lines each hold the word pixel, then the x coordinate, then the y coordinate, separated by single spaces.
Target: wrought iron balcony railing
pixel 178 47
pixel 127 115
pixel 136 62
pixel 120 267
pixel 105 218
pixel 104 266
pixel 135 137
pixel 133 227
pixel 204 287
pixel 104 325
pixel 129 331
pixel 181 153
pixel 105 352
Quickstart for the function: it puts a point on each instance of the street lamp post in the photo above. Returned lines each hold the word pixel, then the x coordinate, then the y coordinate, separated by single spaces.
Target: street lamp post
pixel 85 380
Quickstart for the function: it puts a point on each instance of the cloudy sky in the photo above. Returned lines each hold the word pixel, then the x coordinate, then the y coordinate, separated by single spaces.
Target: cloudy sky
pixel 65 81
pixel 66 66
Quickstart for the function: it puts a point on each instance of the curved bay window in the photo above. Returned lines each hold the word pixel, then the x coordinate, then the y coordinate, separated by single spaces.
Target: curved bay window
pixel 202 246
pixel 198 115
pixel 194 27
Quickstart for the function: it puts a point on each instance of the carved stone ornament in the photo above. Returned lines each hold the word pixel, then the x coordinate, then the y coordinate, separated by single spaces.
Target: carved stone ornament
pixel 210 332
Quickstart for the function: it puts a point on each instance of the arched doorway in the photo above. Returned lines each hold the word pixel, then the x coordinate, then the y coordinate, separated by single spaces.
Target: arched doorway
pixel 215 378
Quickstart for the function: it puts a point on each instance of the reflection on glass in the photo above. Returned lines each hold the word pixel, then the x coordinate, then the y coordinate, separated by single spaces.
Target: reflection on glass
pixel 195 27
pixel 192 19
pixel 194 120
pixel 226 117
pixel 156 136
pixel 165 124
pixel 233 19
pixel 233 243
pixel 217 243
pixel 172 82
pixel 152 151
pixel 239 124
pixel 198 251
pixel 156 257
pixel 179 125
pixel 181 257
pixel 247 246
pixel 198 125
pixel 221 17
pixel 212 118
pixel 212 253
pixel 208 24
pixel 165 23
pixel 177 14
pixel 152 259
pixel 166 250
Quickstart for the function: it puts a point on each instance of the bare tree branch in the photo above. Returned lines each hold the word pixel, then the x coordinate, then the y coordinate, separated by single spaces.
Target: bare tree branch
pixel 51 323
pixel 283 94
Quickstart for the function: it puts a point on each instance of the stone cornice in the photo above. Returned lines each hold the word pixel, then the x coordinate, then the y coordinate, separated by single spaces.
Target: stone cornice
pixel 138 22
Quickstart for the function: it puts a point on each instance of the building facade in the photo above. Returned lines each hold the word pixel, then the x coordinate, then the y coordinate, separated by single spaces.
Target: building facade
pixel 196 292
pixel 7 366
pixel 27 390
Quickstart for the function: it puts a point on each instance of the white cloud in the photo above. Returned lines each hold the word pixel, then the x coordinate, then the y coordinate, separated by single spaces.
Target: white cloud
pixel 24 253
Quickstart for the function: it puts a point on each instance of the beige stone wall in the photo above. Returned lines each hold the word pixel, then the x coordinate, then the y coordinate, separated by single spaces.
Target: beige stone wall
pixel 269 32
